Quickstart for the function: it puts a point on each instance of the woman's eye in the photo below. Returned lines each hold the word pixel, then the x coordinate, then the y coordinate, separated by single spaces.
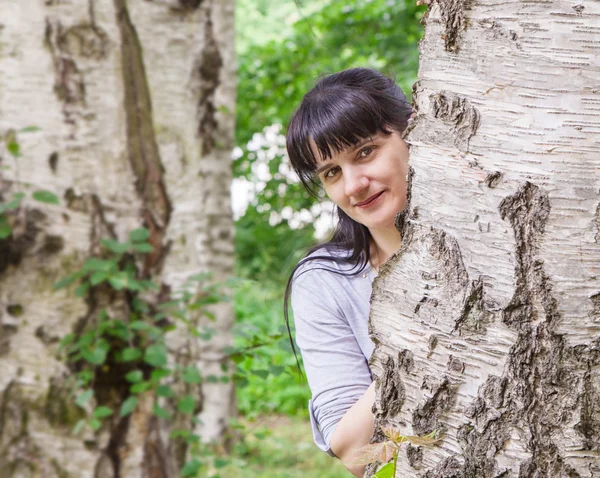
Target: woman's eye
pixel 366 151
pixel 331 173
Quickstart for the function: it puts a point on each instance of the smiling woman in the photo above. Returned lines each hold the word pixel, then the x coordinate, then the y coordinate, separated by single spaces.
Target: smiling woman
pixel 346 137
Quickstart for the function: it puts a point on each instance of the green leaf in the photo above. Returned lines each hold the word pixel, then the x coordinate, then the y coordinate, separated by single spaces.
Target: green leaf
pixel 187 404
pixel 191 375
pixel 159 373
pixel 221 462
pixel 191 468
pixel 78 427
pixel 96 264
pixel 95 424
pixel 102 412
pixel 386 471
pixel 44 196
pixel 67 281
pixel 96 355
pixel 139 305
pixel 212 379
pixel 29 129
pixel 164 391
pixel 12 204
pixel 143 248
pixel 84 397
pixel 160 412
pixel 5 230
pixel 156 355
pixel 82 289
pixel 14 149
pixel 134 376
pixel 119 281
pixel 65 341
pixel 130 354
pixel 98 277
pixel 140 325
pixel 139 235
pixel 140 387
pixel 260 373
pixel 128 406
pixel 116 246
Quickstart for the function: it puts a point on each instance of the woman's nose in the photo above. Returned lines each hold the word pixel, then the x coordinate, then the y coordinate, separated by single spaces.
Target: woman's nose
pixel 355 182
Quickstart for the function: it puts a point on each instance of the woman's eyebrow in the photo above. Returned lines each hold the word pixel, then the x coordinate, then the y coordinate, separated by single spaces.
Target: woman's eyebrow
pixel 359 145
pixel 322 168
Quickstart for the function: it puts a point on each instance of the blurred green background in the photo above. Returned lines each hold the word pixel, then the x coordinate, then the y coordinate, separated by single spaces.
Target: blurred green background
pixel 282 47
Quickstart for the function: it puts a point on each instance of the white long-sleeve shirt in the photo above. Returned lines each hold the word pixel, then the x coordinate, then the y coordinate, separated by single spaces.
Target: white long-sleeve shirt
pixel 331 313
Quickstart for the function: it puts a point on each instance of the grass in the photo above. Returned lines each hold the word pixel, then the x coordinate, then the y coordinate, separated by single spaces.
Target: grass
pixel 278 447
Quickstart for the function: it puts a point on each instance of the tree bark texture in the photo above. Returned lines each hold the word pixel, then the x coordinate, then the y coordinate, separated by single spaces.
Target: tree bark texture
pixel 135 104
pixel 487 321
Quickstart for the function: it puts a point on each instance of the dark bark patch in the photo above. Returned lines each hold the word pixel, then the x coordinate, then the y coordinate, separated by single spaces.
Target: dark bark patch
pixel 527 211
pixel 52 244
pixel 493 179
pixel 190 4
pixel 455 365
pixel 142 145
pixel 449 468
pixel 453 17
pixel 53 161
pixel 458 113
pixel 69 84
pixel 425 417
pixel 392 391
pixel 84 41
pixel 156 462
pixel 589 424
pixel 26 228
pixel 414 455
pixel 59 407
pixel 595 305
pixel 8 328
pixel 480 448
pixel 432 342
pixel 475 314
pixel 406 361
pixel 205 82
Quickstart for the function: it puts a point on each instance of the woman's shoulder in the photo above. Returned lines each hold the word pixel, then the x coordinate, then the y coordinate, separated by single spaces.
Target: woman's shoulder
pixel 328 260
pixel 329 265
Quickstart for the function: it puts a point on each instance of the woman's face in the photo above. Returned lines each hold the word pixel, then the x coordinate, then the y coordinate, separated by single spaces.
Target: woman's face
pixel 368 181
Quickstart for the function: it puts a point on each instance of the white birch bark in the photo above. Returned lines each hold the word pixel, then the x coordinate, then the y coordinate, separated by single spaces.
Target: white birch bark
pixel 134 100
pixel 487 321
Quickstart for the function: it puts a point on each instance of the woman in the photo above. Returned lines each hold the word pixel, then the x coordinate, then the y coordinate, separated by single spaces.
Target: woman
pixel 346 135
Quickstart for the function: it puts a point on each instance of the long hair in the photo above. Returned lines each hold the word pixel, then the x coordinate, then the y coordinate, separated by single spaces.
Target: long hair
pixel 341 110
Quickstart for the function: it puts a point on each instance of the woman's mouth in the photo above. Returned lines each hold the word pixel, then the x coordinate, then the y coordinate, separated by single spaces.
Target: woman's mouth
pixel 370 201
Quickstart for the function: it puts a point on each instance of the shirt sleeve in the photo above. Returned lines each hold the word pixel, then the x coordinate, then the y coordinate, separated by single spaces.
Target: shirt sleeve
pixel 337 371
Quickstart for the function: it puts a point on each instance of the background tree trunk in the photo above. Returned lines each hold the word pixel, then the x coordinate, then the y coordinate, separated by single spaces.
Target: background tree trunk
pixel 487 321
pixel 134 100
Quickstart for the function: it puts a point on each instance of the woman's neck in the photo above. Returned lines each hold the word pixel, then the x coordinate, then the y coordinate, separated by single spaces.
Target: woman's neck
pixel 384 244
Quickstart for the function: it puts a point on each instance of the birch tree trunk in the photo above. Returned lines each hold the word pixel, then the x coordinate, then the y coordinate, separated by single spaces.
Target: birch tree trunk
pixel 487 321
pixel 134 100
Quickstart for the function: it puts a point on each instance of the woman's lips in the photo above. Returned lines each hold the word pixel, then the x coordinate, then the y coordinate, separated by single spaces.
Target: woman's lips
pixel 371 201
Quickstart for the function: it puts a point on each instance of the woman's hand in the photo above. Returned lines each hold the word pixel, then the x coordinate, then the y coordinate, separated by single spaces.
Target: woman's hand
pixel 354 431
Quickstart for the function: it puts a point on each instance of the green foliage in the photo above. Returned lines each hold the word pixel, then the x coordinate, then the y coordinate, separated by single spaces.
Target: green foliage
pixel 281 448
pixel 7 209
pixel 388 470
pixel 132 348
pixel 266 373
pixel 268 253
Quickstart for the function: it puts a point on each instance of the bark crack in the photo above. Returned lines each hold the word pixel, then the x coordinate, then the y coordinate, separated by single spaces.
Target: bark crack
pixel 142 145
pixel 205 82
